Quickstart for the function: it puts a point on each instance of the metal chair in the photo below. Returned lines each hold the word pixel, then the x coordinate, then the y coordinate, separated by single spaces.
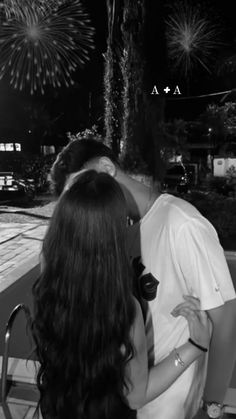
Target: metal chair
pixel 26 392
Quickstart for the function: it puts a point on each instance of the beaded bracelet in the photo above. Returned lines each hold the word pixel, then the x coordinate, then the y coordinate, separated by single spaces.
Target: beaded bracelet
pixel 197 345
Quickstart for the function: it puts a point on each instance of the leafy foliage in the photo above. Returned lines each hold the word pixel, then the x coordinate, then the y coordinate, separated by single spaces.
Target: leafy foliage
pixel 85 134
pixel 175 139
pixel 222 120
pixel 219 210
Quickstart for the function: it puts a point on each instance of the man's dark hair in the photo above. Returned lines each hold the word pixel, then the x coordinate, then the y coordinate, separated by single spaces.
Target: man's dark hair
pixel 73 157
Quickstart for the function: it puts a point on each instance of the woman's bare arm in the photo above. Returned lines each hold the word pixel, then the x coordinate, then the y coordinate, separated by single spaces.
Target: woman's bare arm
pixel 145 385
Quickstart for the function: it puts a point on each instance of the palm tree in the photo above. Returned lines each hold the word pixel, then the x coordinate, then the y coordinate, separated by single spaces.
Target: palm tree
pixel 131 114
pixel 113 78
pixel 133 73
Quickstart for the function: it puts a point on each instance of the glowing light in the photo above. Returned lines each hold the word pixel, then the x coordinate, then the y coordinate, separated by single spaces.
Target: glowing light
pixel 44 46
pixel 10 147
pixel 191 37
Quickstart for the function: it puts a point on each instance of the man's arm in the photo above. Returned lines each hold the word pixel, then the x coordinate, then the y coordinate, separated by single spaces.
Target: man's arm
pixel 222 353
pixel 204 266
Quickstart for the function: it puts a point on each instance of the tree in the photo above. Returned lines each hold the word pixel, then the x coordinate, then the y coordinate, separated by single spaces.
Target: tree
pixel 131 113
pixel 113 78
pixel 175 135
pixel 143 114
pixel 133 72
pixel 221 120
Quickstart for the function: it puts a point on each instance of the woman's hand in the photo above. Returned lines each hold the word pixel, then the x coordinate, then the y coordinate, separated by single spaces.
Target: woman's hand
pixel 198 321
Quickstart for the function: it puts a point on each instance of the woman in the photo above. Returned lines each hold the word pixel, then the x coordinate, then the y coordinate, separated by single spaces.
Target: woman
pixel 88 325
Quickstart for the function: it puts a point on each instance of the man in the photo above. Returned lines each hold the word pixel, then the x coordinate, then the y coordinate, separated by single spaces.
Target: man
pixel 176 252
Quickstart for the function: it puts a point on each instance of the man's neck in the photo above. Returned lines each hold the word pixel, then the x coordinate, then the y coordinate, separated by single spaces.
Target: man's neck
pixel 140 197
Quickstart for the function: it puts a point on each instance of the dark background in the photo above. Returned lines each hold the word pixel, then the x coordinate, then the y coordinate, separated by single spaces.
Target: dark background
pixel 78 107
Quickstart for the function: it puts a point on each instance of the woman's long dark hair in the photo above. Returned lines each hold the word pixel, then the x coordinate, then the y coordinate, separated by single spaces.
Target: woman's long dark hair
pixel 83 305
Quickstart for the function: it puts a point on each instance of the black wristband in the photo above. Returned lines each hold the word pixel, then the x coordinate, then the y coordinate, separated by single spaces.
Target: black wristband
pixel 197 345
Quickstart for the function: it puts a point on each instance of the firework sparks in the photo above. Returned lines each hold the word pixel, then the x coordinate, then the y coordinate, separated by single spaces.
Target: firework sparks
pixel 14 8
pixel 40 46
pixel 191 37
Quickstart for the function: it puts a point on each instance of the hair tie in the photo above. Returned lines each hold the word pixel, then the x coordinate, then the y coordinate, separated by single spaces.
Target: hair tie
pixel 197 345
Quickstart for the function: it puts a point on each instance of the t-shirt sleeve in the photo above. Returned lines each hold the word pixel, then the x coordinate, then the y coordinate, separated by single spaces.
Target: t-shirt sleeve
pixel 203 264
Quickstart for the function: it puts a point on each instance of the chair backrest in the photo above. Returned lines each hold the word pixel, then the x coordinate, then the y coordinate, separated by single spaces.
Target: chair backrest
pixel 6 354
pixel 19 292
pixel 31 394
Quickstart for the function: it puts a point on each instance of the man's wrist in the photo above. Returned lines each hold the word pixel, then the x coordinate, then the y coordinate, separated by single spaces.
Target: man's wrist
pixel 213 409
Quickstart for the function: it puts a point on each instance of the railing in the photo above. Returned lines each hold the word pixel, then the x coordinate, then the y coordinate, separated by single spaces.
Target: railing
pixel 4 374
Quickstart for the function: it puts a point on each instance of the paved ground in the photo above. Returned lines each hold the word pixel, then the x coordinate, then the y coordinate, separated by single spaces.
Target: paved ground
pixel 20 246
pixel 21 234
pixel 14 214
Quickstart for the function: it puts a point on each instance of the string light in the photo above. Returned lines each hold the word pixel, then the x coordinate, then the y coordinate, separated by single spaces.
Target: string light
pixel 225 93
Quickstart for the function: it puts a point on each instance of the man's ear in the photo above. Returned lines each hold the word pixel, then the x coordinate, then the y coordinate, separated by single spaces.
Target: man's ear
pixel 105 164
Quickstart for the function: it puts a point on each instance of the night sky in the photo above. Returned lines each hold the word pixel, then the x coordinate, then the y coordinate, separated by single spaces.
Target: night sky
pixel 68 108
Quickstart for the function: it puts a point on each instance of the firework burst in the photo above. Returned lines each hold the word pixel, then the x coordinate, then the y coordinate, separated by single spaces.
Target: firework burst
pixel 191 37
pixel 44 46
pixel 14 8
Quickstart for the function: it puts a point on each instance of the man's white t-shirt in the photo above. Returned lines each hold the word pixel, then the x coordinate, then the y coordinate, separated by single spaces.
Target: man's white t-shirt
pixel 180 248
